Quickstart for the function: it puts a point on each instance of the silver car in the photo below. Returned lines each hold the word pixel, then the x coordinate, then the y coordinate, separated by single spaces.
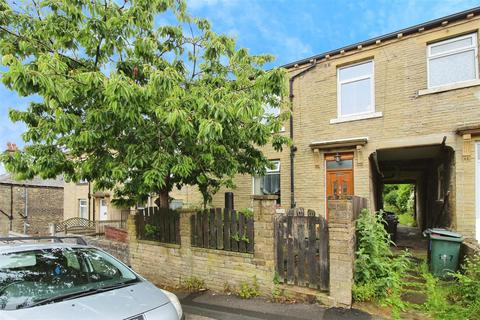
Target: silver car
pixel 59 280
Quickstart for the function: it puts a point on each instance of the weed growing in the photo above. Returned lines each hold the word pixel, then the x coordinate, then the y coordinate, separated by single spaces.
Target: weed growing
pixel 378 274
pixel 248 290
pixel 193 284
pixel 455 300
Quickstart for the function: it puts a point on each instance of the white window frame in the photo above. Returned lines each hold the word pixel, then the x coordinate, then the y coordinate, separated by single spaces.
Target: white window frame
pixel 474 46
pixel 80 206
pixel 372 89
pixel 275 170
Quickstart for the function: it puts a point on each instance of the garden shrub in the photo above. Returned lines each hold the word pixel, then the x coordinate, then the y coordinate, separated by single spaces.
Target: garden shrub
pixel 378 274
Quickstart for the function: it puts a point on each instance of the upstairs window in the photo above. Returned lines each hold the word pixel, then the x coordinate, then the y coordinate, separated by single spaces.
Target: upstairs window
pixel 355 89
pixel 452 61
pixel 269 184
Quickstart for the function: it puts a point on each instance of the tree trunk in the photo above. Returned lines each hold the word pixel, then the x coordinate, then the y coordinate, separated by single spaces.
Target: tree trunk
pixel 162 200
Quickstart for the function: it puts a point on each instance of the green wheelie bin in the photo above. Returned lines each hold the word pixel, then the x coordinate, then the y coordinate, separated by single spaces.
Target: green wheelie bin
pixel 444 249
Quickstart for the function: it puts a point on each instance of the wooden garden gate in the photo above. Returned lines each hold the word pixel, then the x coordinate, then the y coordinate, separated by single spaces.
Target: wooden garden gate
pixel 302 249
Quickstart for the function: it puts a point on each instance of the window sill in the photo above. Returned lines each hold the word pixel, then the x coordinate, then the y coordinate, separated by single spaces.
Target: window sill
pixel 357 117
pixel 461 85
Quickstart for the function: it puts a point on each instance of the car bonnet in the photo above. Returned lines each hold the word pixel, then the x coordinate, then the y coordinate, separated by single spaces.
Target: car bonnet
pixel 115 305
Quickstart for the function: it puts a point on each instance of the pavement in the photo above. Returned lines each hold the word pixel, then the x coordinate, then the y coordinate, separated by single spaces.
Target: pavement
pixel 207 305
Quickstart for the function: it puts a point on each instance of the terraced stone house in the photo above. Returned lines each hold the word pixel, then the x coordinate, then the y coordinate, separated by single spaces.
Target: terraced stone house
pixel 400 108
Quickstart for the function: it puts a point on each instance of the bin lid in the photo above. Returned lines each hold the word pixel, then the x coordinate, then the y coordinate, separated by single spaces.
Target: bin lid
pixel 445 233
pixel 446 238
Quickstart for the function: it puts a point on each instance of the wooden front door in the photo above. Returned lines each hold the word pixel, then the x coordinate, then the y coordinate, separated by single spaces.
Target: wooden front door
pixel 340 183
pixel 339 174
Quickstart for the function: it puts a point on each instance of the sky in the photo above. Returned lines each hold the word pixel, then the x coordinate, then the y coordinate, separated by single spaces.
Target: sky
pixel 288 29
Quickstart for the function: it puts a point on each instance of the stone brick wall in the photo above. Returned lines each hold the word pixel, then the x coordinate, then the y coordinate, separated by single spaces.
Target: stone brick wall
pixel 341 230
pixel 116 234
pixel 44 205
pixel 118 249
pixel 170 264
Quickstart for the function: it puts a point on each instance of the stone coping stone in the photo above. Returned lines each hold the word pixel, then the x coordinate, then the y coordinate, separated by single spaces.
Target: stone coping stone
pixel 223 252
pixel 160 244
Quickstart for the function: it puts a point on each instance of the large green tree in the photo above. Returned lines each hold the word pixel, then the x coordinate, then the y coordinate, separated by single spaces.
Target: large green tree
pixel 137 96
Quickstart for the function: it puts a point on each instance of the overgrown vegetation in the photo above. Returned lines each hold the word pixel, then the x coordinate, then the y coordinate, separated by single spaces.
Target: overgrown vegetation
pixel 151 232
pixel 399 199
pixel 193 284
pixel 237 237
pixel 458 300
pixel 247 212
pixel 248 290
pixel 378 274
pixel 380 277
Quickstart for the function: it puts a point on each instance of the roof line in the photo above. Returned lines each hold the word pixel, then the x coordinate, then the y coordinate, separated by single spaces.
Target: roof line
pixel 30 185
pixel 410 30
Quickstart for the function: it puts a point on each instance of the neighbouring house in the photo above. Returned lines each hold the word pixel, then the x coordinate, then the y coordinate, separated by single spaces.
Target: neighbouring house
pixel 29 206
pixel 83 202
pixel 400 108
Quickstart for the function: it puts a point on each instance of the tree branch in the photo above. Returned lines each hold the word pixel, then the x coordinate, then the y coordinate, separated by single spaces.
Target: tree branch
pixel 194 52
pixel 46 47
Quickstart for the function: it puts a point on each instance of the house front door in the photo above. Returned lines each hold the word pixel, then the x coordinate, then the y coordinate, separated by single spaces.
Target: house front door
pixel 103 209
pixel 340 183
pixel 339 174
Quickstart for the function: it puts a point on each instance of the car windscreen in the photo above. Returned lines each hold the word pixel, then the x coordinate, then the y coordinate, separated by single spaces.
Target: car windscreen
pixel 33 277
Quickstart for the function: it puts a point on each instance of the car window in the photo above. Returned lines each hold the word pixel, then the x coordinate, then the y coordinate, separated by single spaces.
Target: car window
pixel 72 259
pixel 30 277
pixel 18 260
pixel 103 269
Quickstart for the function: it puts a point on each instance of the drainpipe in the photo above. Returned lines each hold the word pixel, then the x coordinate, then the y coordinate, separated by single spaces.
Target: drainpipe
pixel 89 197
pixel 293 148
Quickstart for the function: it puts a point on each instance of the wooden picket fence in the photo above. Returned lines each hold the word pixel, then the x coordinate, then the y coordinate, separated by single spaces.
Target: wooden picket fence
pixel 302 249
pixel 158 224
pixel 222 229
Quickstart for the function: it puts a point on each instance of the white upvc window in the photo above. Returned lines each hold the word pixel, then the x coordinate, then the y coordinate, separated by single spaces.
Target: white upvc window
pixel 268 184
pixel 452 61
pixel 355 89
pixel 82 208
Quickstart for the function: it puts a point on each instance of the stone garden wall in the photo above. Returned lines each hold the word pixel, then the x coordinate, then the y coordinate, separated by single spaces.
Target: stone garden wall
pixel 118 249
pixel 173 265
